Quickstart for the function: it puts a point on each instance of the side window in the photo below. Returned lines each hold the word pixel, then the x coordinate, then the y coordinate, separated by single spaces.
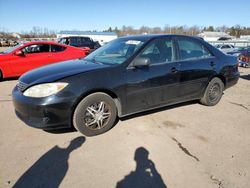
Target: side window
pixel 85 42
pixel 80 41
pixel 74 41
pixel 189 49
pixel 159 51
pixel 57 48
pixel 226 46
pixel 36 48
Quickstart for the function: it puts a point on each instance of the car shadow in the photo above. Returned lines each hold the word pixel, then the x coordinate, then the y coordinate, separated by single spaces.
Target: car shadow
pixel 61 131
pixel 145 174
pixel 158 110
pixel 50 169
pixel 245 77
pixel 9 79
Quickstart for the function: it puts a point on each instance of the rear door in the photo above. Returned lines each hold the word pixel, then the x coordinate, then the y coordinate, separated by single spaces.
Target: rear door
pixel 197 66
pixel 156 84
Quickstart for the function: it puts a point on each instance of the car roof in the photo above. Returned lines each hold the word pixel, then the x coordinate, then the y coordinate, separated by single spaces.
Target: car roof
pixel 151 36
pixel 75 37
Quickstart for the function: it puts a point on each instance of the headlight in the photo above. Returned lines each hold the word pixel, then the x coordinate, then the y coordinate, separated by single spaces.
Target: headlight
pixel 44 90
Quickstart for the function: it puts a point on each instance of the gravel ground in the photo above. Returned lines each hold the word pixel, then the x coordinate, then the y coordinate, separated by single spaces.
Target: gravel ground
pixel 186 145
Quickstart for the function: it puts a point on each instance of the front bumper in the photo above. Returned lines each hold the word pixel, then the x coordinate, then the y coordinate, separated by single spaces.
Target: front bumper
pixel 53 112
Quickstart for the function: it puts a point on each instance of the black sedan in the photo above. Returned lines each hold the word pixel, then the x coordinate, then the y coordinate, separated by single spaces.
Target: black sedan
pixel 128 75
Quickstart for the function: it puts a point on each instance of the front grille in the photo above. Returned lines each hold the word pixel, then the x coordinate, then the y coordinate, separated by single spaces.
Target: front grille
pixel 21 86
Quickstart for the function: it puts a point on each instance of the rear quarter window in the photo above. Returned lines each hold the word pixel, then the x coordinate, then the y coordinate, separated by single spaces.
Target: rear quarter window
pixel 57 48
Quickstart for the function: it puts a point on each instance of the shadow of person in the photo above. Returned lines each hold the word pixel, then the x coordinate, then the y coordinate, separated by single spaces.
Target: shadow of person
pixel 50 169
pixel 145 174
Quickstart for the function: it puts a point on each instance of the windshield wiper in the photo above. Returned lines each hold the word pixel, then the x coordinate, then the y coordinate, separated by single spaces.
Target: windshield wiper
pixel 93 60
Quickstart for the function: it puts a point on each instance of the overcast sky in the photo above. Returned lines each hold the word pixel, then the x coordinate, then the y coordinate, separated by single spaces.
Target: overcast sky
pixel 22 15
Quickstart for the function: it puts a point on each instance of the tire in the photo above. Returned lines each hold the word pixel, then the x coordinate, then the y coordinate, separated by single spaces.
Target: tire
pixel 95 114
pixel 1 76
pixel 213 92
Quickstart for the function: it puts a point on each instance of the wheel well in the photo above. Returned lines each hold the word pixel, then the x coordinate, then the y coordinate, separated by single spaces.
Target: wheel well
pixel 1 74
pixel 108 92
pixel 223 79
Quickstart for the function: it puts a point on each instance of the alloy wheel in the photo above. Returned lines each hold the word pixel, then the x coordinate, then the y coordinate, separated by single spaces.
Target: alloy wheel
pixel 97 115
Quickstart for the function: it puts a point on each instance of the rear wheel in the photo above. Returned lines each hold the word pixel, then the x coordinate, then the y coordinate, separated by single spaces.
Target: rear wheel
pixel 1 75
pixel 213 92
pixel 95 114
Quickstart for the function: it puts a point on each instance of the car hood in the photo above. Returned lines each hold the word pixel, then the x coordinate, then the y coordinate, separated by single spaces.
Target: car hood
pixel 56 71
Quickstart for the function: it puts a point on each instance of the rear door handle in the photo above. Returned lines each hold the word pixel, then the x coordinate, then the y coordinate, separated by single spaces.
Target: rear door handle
pixel 212 63
pixel 174 70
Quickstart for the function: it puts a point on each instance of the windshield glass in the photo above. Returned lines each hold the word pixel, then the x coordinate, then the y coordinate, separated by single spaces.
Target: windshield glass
pixel 117 51
pixel 11 49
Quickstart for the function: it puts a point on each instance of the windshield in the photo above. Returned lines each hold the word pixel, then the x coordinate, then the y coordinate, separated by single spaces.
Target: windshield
pixel 117 51
pixel 11 49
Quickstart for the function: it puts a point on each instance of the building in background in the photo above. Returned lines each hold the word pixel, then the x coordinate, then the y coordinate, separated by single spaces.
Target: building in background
pixel 16 35
pixel 215 36
pixel 245 38
pixel 101 37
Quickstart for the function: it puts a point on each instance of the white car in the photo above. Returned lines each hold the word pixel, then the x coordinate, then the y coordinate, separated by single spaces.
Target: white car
pixel 225 47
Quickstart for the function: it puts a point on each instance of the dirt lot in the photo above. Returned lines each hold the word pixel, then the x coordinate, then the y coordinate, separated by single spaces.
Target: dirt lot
pixel 187 145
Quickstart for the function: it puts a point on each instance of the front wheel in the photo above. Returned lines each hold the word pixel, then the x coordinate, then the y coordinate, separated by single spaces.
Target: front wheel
pixel 95 114
pixel 213 92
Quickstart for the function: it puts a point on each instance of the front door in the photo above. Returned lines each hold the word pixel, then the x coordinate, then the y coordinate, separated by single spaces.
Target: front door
pixel 156 84
pixel 35 55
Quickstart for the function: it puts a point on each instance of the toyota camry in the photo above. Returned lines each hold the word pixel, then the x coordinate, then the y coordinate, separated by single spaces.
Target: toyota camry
pixel 128 75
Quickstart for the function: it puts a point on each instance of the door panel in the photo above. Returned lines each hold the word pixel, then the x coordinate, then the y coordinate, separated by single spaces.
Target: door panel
pixel 151 86
pixel 35 55
pixel 22 64
pixel 194 76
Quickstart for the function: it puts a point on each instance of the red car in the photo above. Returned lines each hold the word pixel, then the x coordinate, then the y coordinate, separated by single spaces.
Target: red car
pixel 26 56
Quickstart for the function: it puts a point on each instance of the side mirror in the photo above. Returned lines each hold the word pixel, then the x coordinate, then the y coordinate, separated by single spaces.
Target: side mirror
pixel 141 62
pixel 19 53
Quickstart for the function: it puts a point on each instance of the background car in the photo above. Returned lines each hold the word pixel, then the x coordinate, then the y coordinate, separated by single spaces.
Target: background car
pixel 243 53
pixel 244 64
pixel 126 76
pixel 80 42
pixel 225 47
pixel 26 56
